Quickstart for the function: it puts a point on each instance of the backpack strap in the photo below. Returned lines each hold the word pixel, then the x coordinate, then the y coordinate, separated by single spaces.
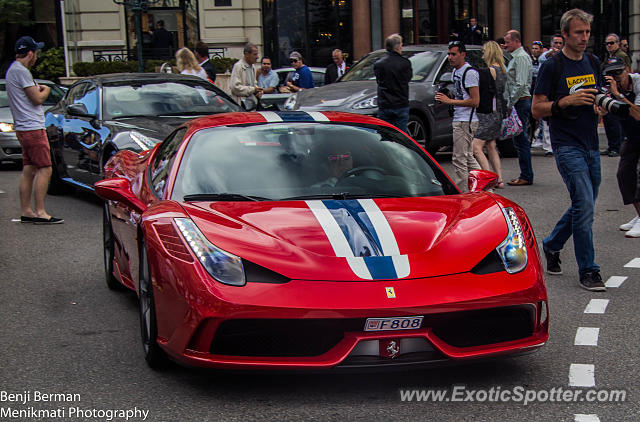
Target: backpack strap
pixel 557 71
pixel 464 76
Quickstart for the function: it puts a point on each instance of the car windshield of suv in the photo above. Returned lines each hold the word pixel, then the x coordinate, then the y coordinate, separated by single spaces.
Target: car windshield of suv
pixel 163 98
pixel 291 161
pixel 421 63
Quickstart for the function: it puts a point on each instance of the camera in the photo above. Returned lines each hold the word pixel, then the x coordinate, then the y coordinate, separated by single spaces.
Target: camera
pixel 442 89
pixel 612 106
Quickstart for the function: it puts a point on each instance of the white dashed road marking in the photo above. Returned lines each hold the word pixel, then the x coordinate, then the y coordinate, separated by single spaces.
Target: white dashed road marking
pixel 586 418
pixel 615 281
pixel 596 306
pixel 634 263
pixel 587 336
pixel 582 375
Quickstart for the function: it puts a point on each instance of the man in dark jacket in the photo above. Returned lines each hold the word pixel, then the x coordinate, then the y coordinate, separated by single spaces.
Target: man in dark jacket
pixel 202 55
pixel 162 42
pixel 335 69
pixel 473 34
pixel 393 73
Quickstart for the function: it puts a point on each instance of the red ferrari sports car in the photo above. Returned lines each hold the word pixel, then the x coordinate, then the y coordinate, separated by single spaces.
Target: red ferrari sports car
pixel 292 240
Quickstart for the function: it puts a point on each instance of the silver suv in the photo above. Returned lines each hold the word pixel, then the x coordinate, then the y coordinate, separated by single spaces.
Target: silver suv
pixel 429 123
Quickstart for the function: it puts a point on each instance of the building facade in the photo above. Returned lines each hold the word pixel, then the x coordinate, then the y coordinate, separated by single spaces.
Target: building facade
pixel 103 30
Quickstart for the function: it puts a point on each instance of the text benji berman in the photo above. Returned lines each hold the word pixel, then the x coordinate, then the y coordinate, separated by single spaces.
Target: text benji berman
pixel 38 396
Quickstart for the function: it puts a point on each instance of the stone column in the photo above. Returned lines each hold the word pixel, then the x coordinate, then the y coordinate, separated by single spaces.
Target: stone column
pixel 501 18
pixel 361 13
pixel 390 18
pixel 531 22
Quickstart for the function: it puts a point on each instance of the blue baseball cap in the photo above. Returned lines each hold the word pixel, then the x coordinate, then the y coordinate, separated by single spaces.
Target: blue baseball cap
pixel 26 44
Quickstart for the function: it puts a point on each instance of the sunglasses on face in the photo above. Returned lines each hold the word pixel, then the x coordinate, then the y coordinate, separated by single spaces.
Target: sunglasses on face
pixel 615 72
pixel 339 157
pixel 610 42
pixel 293 60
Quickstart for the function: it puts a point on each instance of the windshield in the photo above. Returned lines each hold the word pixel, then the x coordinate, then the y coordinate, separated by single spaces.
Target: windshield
pixel 421 63
pixel 304 161
pixel 158 98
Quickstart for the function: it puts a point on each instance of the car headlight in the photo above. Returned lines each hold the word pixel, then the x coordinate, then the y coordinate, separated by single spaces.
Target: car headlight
pixel 6 127
pixel 290 103
pixel 368 103
pixel 223 266
pixel 513 250
pixel 143 141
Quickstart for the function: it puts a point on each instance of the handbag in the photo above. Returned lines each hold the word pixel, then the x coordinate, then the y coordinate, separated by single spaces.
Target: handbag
pixel 511 126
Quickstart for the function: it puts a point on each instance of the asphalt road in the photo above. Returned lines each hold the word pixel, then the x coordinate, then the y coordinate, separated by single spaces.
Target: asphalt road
pixel 63 332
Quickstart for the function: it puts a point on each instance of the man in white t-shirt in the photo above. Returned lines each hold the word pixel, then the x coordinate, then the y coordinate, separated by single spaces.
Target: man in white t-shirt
pixel 465 119
pixel 25 102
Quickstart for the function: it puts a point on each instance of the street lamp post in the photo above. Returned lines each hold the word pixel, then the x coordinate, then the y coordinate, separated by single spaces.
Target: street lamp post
pixel 137 6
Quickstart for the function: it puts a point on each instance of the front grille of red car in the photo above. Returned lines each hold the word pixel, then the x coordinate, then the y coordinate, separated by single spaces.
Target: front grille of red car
pixel 313 337
pixel 281 337
pixel 487 326
pixel 172 241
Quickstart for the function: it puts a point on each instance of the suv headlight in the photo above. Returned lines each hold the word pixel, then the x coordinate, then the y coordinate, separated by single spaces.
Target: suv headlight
pixel 223 266
pixel 513 250
pixel 291 102
pixel 368 103
pixel 6 127
pixel 143 141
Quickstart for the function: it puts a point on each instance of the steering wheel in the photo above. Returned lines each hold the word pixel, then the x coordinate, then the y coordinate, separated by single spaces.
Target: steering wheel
pixel 361 169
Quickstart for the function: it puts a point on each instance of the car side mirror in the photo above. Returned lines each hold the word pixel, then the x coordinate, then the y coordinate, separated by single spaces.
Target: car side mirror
pixel 446 78
pixel 249 104
pixel 480 180
pixel 79 110
pixel 118 189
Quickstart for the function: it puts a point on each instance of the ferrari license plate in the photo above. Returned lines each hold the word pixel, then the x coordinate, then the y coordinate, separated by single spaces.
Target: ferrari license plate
pixel 392 324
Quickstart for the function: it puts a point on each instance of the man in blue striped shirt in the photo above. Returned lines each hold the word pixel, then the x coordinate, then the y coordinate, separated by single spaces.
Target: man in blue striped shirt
pixel 517 93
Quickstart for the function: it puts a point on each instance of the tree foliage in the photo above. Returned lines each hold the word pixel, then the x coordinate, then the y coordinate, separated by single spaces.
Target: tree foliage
pixel 15 11
pixel 50 64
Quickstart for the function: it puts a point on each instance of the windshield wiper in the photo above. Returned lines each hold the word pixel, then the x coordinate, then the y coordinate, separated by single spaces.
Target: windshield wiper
pixel 187 113
pixel 344 195
pixel 223 197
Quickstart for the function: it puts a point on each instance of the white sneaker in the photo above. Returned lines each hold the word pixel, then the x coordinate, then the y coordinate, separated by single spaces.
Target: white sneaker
pixel 635 230
pixel 630 224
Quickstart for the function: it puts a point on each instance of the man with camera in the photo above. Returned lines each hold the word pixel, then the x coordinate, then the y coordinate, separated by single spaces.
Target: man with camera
pixel 625 87
pixel 612 126
pixel 566 93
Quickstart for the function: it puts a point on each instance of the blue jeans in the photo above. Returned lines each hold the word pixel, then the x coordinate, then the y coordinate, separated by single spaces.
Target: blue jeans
pixel 613 129
pixel 521 142
pixel 399 117
pixel 580 170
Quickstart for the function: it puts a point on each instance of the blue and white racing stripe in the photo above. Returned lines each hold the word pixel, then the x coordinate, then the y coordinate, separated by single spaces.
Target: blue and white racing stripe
pixel 358 231
pixel 294 116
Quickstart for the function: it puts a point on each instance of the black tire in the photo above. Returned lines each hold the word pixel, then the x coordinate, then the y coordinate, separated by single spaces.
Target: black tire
pixel 506 148
pixel 56 185
pixel 153 354
pixel 418 131
pixel 108 249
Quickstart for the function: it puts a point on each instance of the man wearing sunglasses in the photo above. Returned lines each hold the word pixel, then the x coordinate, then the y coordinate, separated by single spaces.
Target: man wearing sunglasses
pixel 612 125
pixel 302 77
pixel 625 87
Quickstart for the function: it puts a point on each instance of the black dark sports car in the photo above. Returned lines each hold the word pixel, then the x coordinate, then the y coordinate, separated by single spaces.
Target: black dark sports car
pixel 104 114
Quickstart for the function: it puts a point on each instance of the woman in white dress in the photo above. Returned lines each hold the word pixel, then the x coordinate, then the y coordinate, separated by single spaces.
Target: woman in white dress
pixel 188 65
